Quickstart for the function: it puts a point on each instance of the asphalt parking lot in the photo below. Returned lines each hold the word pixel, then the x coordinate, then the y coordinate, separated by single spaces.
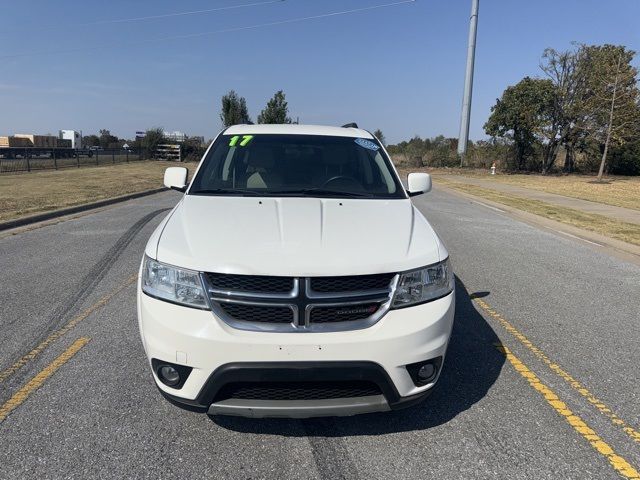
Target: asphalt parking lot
pixel 541 379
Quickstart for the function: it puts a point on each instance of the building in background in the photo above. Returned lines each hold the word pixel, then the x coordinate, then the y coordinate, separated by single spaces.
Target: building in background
pixel 175 136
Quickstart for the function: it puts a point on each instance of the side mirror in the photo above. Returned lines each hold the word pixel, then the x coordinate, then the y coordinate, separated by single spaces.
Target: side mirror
pixel 418 183
pixel 175 178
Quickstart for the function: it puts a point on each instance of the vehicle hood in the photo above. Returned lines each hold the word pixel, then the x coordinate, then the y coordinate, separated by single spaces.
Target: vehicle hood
pixel 295 236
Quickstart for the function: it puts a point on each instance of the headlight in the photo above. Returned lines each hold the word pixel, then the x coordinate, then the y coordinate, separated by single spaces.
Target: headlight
pixel 419 286
pixel 173 284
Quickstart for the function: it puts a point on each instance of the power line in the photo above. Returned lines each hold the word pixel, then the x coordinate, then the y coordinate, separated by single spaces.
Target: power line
pixel 154 17
pixel 180 14
pixel 212 32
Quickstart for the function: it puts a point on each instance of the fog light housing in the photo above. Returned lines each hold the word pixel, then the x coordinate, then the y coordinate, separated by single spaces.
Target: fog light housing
pixel 425 372
pixel 170 374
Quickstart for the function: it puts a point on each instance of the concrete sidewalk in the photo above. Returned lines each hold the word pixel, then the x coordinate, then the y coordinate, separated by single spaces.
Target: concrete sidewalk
pixel 619 213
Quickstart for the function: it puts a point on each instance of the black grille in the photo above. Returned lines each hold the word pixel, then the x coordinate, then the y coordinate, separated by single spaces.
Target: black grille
pixel 250 283
pixel 258 313
pixel 344 313
pixel 351 284
pixel 297 390
pixel 285 311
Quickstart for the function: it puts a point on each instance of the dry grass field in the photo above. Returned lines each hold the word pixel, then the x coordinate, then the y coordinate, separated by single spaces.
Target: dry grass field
pixel 627 232
pixel 618 191
pixel 36 192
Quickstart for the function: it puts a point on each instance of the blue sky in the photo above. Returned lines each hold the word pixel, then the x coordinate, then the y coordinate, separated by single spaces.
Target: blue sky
pixel 398 68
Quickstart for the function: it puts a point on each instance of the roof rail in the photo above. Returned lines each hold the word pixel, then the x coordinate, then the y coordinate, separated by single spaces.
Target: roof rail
pixel 350 125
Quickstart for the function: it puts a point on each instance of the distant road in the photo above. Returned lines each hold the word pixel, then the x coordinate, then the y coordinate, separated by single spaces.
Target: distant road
pixel 564 402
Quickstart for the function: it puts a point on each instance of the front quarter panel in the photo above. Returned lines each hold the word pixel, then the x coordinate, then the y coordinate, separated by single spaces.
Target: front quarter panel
pixel 151 249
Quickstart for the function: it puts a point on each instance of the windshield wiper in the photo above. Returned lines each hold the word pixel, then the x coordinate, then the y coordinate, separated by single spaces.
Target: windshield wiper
pixel 319 192
pixel 227 191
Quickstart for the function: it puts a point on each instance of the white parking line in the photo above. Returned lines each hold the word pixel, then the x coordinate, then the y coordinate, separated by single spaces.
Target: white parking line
pixel 576 237
pixel 488 206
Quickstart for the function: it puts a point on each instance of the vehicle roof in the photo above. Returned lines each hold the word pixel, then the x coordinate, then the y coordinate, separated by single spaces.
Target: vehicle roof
pixel 294 129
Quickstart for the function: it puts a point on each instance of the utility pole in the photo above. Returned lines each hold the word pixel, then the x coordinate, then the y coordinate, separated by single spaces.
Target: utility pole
pixel 463 138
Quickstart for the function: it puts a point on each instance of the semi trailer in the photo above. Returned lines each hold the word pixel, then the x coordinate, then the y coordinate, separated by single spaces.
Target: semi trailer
pixel 67 144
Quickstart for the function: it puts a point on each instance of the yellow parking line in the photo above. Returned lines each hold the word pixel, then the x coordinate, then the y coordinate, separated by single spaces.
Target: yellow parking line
pixel 36 382
pixel 581 389
pixel 617 462
pixel 22 361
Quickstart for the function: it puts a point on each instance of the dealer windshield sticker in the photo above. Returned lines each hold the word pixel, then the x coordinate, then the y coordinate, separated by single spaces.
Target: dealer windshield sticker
pixel 245 140
pixel 368 144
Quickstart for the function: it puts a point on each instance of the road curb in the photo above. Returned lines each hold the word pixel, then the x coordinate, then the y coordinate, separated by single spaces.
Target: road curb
pixel 41 217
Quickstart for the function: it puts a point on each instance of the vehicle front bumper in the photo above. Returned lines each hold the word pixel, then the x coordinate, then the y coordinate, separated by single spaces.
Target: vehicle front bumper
pixel 292 372
pixel 218 353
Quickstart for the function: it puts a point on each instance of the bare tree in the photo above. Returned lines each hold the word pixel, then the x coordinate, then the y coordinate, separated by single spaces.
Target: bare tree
pixel 563 69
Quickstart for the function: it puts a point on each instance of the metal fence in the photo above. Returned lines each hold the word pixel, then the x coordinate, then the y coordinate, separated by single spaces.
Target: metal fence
pixel 28 162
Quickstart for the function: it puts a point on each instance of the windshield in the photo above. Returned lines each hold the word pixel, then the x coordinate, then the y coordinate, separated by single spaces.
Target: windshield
pixel 297 165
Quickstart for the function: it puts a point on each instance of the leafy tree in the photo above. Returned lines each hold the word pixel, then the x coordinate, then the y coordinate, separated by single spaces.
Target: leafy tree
pixel 234 110
pixel 483 153
pixel 380 136
pixel 610 110
pixel 419 152
pixel 522 115
pixel 91 141
pixel 192 149
pixel 106 139
pixel 415 150
pixel 276 111
pixel 152 138
pixel 441 151
pixel 625 159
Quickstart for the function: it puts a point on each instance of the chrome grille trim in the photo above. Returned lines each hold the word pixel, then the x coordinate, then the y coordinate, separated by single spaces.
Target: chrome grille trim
pixel 302 300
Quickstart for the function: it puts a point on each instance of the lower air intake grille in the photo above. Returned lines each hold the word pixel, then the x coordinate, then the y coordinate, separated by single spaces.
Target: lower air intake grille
pixel 258 313
pixel 297 390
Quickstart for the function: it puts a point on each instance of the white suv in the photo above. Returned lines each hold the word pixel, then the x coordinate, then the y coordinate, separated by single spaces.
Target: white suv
pixel 295 279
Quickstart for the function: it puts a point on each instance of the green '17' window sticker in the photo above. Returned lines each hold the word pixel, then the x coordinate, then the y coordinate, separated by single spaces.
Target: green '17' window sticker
pixel 243 143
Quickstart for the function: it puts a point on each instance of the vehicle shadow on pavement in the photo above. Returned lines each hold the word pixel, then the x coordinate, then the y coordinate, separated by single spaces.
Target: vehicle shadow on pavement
pixel 472 366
